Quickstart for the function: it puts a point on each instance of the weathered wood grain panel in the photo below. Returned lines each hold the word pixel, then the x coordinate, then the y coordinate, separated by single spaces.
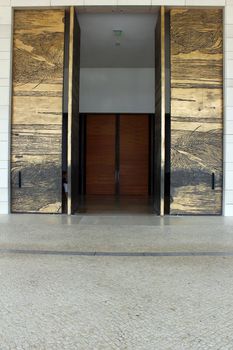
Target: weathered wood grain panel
pixel 73 113
pixel 37 111
pixel 159 152
pixel 196 110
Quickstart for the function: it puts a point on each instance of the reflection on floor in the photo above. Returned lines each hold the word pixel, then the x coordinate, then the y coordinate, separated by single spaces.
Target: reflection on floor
pixel 116 204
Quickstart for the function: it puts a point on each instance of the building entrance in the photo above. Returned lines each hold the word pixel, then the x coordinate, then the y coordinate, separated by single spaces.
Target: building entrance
pixel 116 163
pixel 92 121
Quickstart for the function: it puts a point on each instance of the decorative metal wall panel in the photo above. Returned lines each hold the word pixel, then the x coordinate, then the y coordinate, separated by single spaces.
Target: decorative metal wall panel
pixel 36 179
pixel 196 111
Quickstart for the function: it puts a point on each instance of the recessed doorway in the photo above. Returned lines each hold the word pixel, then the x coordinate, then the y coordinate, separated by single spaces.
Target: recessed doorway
pixel 116 163
pixel 114 136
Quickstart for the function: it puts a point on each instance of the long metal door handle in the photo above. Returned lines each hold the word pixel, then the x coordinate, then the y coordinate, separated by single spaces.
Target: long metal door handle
pixel 19 179
pixel 117 175
pixel 213 181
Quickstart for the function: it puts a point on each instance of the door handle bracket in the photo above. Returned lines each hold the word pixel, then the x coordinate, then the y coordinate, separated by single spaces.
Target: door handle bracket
pixel 19 179
pixel 213 181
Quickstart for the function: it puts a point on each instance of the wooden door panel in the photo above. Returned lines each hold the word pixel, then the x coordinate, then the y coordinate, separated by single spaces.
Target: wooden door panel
pixel 196 111
pixel 36 135
pixel 100 154
pixel 134 154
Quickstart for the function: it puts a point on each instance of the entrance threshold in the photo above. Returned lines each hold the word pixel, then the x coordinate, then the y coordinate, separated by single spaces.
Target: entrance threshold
pixel 107 204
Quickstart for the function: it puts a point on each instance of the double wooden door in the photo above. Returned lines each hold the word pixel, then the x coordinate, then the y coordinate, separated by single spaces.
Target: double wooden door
pixel 117 154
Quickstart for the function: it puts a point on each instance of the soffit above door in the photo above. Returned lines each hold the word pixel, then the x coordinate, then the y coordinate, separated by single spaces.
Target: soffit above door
pixel 101 47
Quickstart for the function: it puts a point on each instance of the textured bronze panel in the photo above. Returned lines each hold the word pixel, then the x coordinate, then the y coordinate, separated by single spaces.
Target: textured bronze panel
pixel 196 111
pixel 37 111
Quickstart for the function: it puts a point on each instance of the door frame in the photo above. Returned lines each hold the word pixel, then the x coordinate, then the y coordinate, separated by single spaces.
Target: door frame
pixel 77 7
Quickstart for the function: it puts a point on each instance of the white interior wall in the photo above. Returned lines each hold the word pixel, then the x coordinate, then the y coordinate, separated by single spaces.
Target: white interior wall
pixel 117 74
pixel 117 90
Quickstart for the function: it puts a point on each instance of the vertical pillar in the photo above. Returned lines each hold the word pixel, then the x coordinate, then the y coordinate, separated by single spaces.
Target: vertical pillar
pixel 228 110
pixel 5 89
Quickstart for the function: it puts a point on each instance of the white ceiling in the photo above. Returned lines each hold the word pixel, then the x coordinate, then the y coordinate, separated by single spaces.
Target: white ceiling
pixel 98 42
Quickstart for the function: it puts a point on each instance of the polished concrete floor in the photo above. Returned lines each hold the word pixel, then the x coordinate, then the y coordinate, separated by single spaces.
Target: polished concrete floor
pixel 102 204
pixel 116 282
